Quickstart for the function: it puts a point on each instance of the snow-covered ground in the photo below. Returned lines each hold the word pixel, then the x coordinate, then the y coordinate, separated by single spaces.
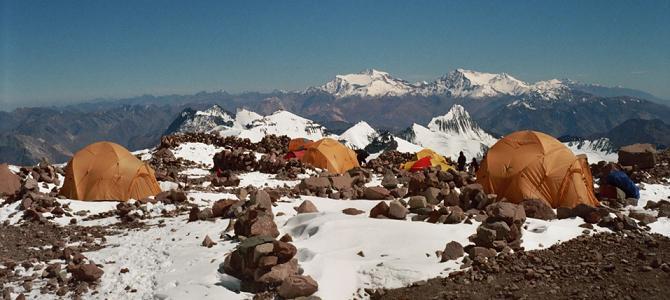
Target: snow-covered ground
pixel 168 261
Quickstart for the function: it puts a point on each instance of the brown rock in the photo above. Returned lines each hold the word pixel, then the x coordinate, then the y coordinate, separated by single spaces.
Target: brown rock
pixel 397 210
pixel 87 272
pixel 220 208
pixel 352 211
pixel 297 286
pixel 453 250
pixel 207 242
pixel 376 193
pixel 306 207
pixel 538 209
pixel 381 209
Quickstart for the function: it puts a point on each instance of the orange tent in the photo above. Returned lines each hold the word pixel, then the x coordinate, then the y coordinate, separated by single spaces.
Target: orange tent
pixel 10 183
pixel 298 144
pixel 107 171
pixel 533 165
pixel 331 155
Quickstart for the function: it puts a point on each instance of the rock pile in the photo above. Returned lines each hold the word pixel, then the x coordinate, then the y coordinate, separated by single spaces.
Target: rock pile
pixel 500 230
pixel 263 263
pixel 350 185
pixel 389 159
pixel 43 172
pixel 235 160
pixel 255 218
pixel 172 141
pixel 166 165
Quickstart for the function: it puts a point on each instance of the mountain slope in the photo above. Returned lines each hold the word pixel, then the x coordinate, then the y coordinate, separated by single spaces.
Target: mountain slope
pixel 284 123
pixel 641 131
pixel 359 135
pixel 450 134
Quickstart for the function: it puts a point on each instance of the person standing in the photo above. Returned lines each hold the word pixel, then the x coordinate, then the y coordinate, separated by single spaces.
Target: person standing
pixel 474 165
pixel 461 161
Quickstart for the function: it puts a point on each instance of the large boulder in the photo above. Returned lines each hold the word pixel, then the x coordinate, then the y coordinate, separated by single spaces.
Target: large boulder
pixel 376 193
pixel 306 207
pixel 453 250
pixel 641 155
pixel 397 210
pixel 538 209
pixel 297 286
pixel 508 212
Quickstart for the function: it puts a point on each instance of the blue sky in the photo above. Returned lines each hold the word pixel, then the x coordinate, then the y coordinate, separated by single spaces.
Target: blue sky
pixel 59 51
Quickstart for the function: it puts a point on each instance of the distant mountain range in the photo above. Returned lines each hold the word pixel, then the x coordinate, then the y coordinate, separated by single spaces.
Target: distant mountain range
pixel 497 103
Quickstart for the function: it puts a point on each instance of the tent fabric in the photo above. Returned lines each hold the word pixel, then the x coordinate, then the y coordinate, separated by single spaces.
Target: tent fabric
pixel 10 183
pixel 622 181
pixel 534 165
pixel 295 154
pixel 298 144
pixel 420 164
pixel 331 155
pixel 434 159
pixel 107 171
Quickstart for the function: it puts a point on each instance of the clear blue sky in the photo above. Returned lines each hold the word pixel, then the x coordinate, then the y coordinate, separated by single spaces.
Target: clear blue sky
pixel 56 51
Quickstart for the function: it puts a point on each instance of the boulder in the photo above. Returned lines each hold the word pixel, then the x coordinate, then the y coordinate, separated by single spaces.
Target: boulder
pixel 397 210
pixel 381 209
pixel 452 251
pixel 297 286
pixel 277 274
pixel 417 202
pixel 352 211
pixel 643 156
pixel 642 216
pixel 207 242
pixel 481 252
pixel 87 272
pixel 221 208
pixel 306 207
pixel 341 182
pixel 315 183
pixel 431 195
pixel 538 209
pixel 376 193
pixel 389 181
pixel 508 212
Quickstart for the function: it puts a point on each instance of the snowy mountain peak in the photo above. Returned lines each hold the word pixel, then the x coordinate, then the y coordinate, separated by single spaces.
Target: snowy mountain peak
pixel 458 122
pixel 369 82
pixel 283 123
pixel 201 121
pixel 244 117
pixel 359 136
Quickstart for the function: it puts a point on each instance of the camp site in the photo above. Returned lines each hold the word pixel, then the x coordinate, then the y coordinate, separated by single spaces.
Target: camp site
pixel 334 150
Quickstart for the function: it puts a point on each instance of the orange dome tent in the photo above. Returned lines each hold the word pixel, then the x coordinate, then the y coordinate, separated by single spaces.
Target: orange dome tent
pixel 10 183
pixel 330 154
pixel 107 171
pixel 533 165
pixel 298 144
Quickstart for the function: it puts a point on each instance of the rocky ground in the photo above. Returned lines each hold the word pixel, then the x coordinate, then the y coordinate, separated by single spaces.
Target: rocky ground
pixel 625 265
pixel 236 220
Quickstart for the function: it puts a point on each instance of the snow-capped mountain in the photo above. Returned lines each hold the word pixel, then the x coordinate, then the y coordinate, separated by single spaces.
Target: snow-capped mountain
pixel 459 83
pixel 370 83
pixel 457 122
pixel 359 135
pixel 244 117
pixel 283 123
pixel 450 134
pixel 595 150
pixel 201 121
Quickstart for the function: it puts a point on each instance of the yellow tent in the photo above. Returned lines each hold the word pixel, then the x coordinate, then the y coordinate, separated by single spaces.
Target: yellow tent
pixel 107 171
pixel 427 158
pixel 533 165
pixel 330 154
